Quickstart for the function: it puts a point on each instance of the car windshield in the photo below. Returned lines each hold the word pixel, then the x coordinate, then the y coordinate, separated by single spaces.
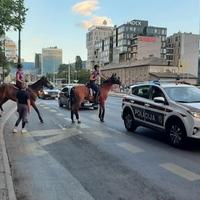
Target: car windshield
pixel 183 94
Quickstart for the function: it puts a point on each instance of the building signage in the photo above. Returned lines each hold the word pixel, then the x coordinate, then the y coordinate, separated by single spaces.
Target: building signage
pixel 149 116
pixel 147 39
pixel 136 23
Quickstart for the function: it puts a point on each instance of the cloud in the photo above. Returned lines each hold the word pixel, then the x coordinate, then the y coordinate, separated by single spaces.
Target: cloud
pixel 97 21
pixel 85 7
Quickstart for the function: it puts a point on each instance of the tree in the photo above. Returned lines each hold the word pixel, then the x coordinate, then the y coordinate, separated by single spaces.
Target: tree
pixel 83 76
pixel 13 14
pixel 78 63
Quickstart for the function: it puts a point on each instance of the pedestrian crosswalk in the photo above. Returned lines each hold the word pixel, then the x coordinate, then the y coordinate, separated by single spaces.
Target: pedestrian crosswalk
pixel 63 132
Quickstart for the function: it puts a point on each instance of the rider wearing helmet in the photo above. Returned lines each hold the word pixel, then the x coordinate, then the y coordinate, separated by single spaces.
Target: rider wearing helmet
pixel 19 76
pixel 95 74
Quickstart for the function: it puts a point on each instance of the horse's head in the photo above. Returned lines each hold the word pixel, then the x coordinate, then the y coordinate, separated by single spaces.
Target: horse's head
pixel 114 79
pixel 46 83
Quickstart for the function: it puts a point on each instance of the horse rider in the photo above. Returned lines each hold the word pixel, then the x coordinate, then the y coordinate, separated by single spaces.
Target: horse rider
pixel 95 74
pixel 19 76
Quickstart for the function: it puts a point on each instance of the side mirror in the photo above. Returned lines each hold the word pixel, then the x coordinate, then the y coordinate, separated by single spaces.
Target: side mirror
pixel 159 100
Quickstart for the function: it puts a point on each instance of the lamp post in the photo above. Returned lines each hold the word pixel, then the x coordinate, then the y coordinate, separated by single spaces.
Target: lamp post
pixel 69 66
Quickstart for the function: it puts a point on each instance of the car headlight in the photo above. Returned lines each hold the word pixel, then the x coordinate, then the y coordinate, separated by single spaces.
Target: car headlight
pixel 195 114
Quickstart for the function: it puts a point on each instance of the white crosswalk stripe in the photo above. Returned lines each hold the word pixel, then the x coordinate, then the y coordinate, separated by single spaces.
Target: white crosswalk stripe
pixel 129 147
pixel 182 172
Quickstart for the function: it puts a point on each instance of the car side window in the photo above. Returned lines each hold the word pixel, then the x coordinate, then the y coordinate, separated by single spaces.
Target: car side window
pixel 65 90
pixel 156 92
pixel 141 91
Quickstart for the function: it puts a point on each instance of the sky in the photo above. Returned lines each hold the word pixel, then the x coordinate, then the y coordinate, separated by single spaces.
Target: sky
pixel 64 23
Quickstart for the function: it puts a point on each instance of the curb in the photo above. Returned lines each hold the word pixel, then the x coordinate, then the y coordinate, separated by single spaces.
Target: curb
pixel 8 175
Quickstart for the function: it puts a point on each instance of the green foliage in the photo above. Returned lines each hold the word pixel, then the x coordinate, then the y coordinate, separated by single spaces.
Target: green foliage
pixel 12 15
pixel 83 76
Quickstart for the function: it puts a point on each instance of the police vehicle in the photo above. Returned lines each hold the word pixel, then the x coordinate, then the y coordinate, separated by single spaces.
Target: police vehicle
pixel 173 108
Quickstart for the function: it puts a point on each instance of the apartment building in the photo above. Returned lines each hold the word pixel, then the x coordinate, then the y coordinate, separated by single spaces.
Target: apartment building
pixel 144 47
pixel 95 35
pixel 124 34
pixel 183 51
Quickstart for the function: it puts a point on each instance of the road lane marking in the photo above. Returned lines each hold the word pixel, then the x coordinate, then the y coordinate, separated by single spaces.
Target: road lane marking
pixel 129 147
pixel 42 133
pixel 56 138
pixel 45 107
pixel 60 114
pixel 68 119
pixel 51 110
pixel 82 125
pixel 63 128
pixel 100 134
pixel 182 172
pixel 60 176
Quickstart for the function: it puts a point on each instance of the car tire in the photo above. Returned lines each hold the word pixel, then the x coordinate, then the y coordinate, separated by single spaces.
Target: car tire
pixel 176 133
pixel 129 121
pixel 59 103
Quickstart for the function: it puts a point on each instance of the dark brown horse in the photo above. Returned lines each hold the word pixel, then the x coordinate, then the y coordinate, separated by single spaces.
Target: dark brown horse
pixel 8 91
pixel 82 92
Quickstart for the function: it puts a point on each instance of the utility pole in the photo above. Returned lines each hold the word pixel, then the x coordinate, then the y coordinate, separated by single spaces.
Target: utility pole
pixel 69 81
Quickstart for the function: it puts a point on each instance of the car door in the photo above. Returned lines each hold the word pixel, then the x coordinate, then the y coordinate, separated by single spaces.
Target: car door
pixel 155 112
pixel 64 95
pixel 140 98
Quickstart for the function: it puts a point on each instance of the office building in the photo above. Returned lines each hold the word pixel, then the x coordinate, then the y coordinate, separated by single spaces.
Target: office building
pixel 183 52
pixel 38 63
pixel 51 60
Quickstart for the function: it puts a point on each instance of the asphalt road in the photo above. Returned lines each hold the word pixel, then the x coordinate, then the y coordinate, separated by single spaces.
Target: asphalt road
pixel 93 160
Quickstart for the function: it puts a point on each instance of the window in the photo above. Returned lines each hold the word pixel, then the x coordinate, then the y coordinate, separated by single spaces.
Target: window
pixel 65 90
pixel 156 92
pixel 141 91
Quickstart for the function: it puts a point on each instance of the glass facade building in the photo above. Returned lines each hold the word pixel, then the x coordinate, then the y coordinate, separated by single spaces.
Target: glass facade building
pixel 51 60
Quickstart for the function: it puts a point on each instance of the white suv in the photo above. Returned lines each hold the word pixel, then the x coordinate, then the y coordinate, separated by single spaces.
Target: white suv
pixel 172 107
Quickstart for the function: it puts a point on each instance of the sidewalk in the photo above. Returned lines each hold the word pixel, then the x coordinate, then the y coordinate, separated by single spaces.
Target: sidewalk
pixel 6 184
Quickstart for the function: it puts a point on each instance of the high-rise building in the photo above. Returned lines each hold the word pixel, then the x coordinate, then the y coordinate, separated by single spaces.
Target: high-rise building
pixel 124 34
pixel 119 44
pixel 51 60
pixel 183 52
pixel 38 63
pixel 95 34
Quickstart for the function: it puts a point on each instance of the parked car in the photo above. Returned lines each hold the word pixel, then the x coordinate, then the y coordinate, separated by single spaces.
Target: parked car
pixel 64 99
pixel 169 107
pixel 49 94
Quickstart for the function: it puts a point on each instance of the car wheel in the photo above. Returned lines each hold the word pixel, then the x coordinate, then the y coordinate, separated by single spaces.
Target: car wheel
pixel 59 103
pixel 129 121
pixel 176 133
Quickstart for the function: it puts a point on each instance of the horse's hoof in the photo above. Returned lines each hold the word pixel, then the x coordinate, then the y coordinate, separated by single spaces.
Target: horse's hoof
pixel 101 120
pixel 73 121
pixel 42 121
pixel 79 122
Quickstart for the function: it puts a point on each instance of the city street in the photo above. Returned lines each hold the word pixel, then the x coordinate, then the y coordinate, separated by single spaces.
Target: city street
pixel 58 160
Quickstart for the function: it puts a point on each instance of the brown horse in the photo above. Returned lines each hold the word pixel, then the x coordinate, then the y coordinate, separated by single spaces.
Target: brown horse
pixel 8 91
pixel 81 92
